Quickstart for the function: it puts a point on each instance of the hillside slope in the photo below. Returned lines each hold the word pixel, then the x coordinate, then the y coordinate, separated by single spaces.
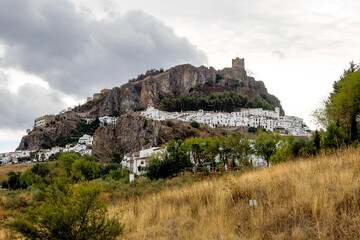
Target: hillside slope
pixel 315 198
pixel 182 79
pixel 155 87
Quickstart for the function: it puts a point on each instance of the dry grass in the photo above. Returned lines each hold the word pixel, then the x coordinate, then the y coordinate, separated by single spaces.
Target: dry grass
pixel 308 199
pixel 5 169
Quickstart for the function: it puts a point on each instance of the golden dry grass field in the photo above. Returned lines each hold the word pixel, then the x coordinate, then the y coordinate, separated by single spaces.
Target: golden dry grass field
pixel 5 169
pixel 315 198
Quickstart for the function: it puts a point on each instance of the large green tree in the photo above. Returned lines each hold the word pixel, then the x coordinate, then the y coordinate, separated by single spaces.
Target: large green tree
pixel 266 145
pixel 343 104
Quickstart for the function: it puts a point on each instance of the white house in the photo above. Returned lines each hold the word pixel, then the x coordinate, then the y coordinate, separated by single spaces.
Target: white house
pixel 86 139
pixel 106 120
pixel 136 162
pixel 252 117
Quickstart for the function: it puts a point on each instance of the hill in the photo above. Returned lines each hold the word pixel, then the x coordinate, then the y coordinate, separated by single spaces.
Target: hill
pixel 314 198
pixel 221 90
pixel 159 86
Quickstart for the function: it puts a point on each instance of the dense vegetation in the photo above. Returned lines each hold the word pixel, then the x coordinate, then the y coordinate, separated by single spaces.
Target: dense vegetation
pixel 340 113
pixel 58 208
pixel 82 128
pixel 227 101
pixel 234 151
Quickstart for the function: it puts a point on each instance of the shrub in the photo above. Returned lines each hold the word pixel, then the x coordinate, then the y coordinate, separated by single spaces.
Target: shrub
pixel 14 180
pixel 334 137
pixel 117 157
pixel 87 169
pixel 41 169
pixel 195 124
pixel 76 215
pixel 218 78
pixel 106 170
pixel 119 174
pixel 15 202
pixel 5 184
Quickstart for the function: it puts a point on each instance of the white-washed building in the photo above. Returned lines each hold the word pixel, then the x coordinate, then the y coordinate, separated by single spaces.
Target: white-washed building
pixel 252 117
pixel 137 162
pixel 106 120
pixel 86 139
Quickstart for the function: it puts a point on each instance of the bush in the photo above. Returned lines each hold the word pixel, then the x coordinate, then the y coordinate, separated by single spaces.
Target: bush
pixel 334 137
pixel 218 78
pixel 15 202
pixel 41 169
pixel 87 169
pixel 106 170
pixel 26 179
pixel 4 184
pixel 195 124
pixel 119 174
pixel 117 158
pixel 74 215
pixel 14 180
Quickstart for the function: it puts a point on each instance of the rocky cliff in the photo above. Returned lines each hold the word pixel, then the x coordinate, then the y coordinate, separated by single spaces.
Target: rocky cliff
pixel 133 132
pixel 182 79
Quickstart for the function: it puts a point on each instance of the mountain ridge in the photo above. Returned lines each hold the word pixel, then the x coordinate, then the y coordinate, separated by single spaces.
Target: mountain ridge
pixel 155 87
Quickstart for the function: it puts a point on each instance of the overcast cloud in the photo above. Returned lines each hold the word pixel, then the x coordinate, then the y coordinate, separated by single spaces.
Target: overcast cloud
pixel 19 108
pixel 77 47
pixel 76 54
pixel 79 55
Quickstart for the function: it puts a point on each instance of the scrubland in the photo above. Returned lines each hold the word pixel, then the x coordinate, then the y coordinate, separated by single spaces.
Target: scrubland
pixel 310 198
pixel 316 198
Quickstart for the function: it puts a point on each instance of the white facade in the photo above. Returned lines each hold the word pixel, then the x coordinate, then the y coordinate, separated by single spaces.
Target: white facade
pixel 86 139
pixel 106 120
pixel 252 117
pixel 40 123
pixel 139 160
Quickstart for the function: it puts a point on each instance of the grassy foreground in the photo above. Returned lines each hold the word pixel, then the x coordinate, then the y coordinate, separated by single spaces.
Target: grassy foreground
pixel 315 198
pixel 5 169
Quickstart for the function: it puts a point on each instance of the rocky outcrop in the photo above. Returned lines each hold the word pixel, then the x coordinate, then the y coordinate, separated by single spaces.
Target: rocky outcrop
pixel 46 137
pixel 154 86
pixel 182 79
pixel 134 132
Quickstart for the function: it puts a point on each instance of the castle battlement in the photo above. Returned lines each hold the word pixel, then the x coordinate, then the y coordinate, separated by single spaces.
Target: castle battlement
pixel 238 63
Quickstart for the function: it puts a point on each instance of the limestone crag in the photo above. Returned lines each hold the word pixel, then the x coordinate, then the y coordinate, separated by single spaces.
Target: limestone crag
pixel 182 79
pixel 46 137
pixel 133 132
pixel 154 86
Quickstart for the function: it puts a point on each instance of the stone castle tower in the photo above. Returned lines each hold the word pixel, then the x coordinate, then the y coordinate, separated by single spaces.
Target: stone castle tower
pixel 238 63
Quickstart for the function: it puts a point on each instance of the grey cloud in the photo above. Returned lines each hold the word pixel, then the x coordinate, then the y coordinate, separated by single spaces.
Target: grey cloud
pixel 79 55
pixel 18 110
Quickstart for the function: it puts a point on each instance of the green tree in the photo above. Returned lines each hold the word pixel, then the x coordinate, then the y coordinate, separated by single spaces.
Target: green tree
pixel 85 168
pixel 195 124
pixel 117 158
pixel 266 145
pixel 14 180
pixel 334 137
pixel 74 215
pixel 343 104
pixel 240 148
pixel 174 160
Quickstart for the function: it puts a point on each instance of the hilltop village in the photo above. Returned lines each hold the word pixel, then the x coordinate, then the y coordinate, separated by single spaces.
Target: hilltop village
pixel 247 117
pixel 191 79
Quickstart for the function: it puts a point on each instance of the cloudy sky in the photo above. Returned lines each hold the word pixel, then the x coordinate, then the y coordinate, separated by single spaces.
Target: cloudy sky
pixel 53 54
